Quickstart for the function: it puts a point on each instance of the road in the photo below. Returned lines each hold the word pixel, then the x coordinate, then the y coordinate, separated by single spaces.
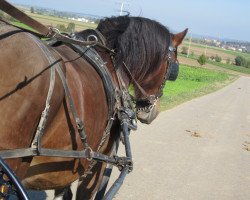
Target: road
pixel 199 150
pixel 196 151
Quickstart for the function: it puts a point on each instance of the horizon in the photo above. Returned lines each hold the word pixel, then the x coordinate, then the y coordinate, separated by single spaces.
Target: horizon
pixel 220 24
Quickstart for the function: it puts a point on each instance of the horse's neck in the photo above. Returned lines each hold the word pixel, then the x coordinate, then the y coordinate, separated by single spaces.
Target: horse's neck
pixel 114 70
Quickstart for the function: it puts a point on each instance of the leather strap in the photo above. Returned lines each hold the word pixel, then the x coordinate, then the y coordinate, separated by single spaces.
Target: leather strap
pixel 44 30
pixel 22 17
pixel 47 32
pixel 99 65
pixel 135 82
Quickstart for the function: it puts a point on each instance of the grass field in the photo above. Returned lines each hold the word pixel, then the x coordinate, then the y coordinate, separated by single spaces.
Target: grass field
pixel 240 69
pixel 54 21
pixel 199 49
pixel 193 82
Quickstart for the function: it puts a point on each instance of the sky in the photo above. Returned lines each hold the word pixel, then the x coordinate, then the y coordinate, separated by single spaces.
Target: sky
pixel 228 19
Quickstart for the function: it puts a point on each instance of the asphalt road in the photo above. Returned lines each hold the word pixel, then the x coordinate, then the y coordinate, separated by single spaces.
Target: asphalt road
pixel 199 150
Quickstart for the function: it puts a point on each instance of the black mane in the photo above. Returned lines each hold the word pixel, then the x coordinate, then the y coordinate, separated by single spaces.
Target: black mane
pixel 139 42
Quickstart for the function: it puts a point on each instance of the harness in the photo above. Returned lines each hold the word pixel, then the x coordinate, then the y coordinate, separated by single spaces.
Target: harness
pixel 125 164
pixel 119 103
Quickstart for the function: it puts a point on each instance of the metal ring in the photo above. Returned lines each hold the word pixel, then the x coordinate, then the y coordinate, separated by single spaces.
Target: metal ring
pixel 171 48
pixel 53 31
pixel 95 39
pixel 89 153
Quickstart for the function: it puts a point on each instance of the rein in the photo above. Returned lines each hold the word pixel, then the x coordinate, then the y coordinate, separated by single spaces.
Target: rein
pixel 125 113
pixel 43 31
pixel 124 164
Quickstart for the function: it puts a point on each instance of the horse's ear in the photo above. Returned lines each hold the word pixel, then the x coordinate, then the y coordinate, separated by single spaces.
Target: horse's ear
pixel 178 37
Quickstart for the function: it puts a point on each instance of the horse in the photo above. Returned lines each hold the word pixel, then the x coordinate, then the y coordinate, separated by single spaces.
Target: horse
pixel 138 49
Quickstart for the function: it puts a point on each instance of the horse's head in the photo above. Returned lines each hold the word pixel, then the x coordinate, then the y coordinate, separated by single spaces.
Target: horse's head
pixel 148 98
pixel 146 52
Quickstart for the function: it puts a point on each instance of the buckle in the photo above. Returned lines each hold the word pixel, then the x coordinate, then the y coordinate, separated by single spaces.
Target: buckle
pixel 122 162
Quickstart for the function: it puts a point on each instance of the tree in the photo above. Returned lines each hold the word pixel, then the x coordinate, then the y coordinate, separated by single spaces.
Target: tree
pixel 1 14
pixel 184 50
pixel 202 59
pixel 97 21
pixel 61 27
pixel 240 61
pixel 248 64
pixel 32 10
pixel 217 58
pixel 71 27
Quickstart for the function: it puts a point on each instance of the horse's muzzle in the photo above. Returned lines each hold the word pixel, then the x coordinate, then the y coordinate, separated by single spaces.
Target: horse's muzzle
pixel 148 113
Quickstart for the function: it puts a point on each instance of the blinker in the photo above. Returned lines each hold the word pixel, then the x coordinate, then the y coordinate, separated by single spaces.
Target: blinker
pixel 173 65
pixel 173 70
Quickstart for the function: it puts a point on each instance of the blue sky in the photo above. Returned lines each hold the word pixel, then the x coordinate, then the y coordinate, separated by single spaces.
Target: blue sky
pixel 219 18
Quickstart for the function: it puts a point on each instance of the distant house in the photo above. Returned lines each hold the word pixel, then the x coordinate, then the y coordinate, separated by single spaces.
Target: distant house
pixel 232 48
pixel 80 19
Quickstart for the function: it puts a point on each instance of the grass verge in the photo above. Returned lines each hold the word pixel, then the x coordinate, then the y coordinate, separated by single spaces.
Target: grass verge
pixel 191 83
pixel 241 69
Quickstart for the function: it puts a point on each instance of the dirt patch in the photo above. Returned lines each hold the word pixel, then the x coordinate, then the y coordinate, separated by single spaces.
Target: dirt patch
pixel 192 62
pixel 246 146
pixel 209 52
pixel 195 133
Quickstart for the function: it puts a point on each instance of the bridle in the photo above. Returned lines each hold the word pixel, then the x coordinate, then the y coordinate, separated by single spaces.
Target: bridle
pixel 171 74
pixel 173 64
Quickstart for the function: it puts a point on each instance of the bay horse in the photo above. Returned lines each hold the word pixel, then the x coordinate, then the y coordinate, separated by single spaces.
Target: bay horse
pixel 143 50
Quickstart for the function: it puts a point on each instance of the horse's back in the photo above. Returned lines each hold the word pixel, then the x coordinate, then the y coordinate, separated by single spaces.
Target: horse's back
pixel 24 86
pixel 24 82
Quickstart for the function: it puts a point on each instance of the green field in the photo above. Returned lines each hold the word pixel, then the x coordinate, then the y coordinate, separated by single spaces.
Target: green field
pixel 240 69
pixel 193 82
pixel 19 24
